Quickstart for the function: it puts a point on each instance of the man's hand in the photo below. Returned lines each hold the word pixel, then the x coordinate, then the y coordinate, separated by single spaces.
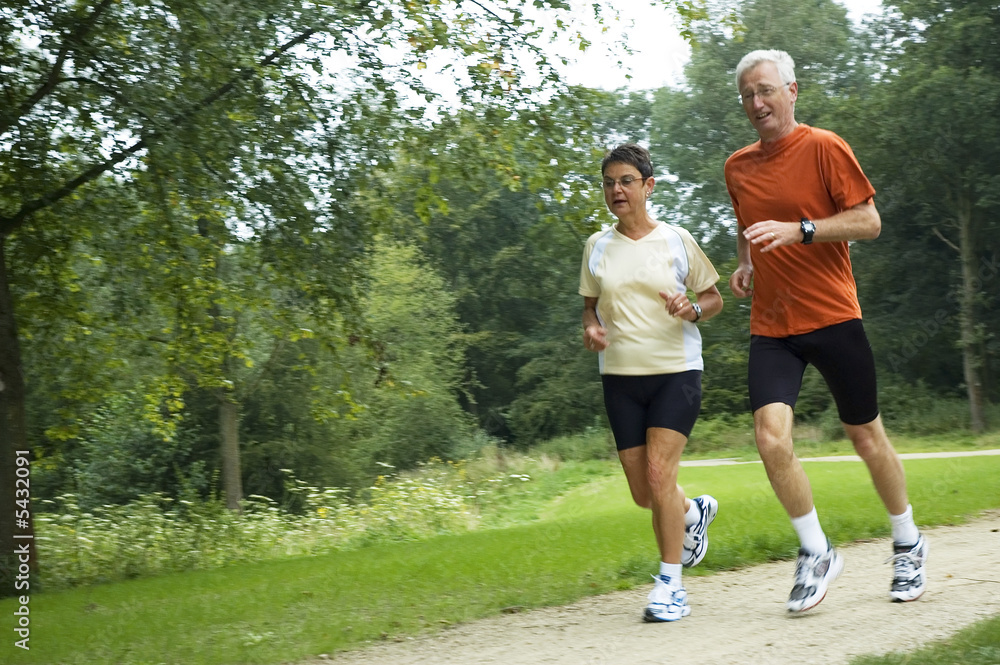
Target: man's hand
pixel 740 281
pixel 771 234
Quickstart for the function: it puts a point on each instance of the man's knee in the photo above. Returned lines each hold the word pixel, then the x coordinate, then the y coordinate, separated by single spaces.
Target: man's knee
pixel 662 481
pixel 775 449
pixel 869 440
pixel 772 431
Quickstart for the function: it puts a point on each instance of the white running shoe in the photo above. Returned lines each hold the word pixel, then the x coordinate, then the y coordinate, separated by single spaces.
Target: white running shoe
pixel 666 603
pixel 696 535
pixel 813 574
pixel 909 577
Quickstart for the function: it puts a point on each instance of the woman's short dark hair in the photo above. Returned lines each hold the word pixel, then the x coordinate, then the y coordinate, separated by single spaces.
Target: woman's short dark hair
pixel 632 154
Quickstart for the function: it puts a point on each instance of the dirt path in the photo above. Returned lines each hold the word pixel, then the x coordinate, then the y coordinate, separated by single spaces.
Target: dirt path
pixel 737 617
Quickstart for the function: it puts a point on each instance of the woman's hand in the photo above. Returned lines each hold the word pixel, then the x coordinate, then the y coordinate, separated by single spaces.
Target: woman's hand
pixel 595 338
pixel 679 306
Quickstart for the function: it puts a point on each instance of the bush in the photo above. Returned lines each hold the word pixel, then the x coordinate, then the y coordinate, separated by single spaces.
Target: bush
pixel 731 432
pixel 913 409
pixel 156 534
pixel 593 444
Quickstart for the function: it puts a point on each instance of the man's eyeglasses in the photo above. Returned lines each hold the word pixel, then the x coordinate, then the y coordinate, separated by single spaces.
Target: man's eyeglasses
pixel 624 181
pixel 764 92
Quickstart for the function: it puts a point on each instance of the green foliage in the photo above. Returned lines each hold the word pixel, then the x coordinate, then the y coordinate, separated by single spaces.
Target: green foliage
pixel 409 398
pixel 937 263
pixel 594 443
pixel 155 534
pixel 122 457
pixel 712 435
pixel 228 145
pixel 501 204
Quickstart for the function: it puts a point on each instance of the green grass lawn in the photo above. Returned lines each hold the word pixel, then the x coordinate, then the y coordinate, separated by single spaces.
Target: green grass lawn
pixel 977 645
pixel 589 541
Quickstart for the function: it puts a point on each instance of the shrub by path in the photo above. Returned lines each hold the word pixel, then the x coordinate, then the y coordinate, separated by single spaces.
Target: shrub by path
pixel 738 617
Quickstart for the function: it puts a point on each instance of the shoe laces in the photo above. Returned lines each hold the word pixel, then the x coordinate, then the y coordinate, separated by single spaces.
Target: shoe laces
pixel 692 537
pixel 805 568
pixel 904 564
pixel 663 592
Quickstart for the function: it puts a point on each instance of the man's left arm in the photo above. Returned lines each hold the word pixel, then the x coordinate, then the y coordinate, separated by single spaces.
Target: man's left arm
pixel 860 222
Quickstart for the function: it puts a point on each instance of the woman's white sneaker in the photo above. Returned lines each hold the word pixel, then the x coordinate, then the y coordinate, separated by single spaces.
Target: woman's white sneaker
pixel 666 602
pixel 696 535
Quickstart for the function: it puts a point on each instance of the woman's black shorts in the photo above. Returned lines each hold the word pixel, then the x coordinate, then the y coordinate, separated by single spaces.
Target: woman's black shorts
pixel 840 352
pixel 636 403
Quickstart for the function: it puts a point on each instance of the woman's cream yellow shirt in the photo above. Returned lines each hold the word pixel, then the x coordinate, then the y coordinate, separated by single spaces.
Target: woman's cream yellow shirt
pixel 626 276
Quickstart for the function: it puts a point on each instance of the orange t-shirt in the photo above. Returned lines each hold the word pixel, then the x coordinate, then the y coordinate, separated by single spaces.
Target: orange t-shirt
pixel 810 173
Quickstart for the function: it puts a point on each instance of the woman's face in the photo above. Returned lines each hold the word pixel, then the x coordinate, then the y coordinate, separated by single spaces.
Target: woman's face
pixel 625 191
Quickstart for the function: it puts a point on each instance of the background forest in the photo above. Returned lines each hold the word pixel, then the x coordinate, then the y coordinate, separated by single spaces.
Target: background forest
pixel 226 254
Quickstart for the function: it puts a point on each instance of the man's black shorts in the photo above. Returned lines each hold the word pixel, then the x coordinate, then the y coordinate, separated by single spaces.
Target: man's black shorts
pixel 840 352
pixel 636 403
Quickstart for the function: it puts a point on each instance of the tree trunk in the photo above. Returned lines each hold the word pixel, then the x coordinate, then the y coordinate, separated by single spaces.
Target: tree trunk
pixel 972 362
pixel 16 527
pixel 229 448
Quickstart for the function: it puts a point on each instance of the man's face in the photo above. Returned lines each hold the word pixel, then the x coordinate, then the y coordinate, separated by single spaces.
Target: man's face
pixel 769 102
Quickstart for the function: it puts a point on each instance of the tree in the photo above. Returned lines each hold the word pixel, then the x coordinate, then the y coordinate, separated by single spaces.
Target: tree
pixel 411 408
pixel 935 135
pixel 222 109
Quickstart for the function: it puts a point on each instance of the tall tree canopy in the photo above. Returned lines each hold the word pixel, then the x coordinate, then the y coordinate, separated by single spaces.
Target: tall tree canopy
pixel 196 125
pixel 933 131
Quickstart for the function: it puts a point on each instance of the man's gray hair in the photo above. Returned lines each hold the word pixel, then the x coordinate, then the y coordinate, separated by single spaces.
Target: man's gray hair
pixel 783 61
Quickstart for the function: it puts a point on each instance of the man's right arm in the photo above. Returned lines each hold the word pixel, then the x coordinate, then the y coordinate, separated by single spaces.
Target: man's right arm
pixel 742 278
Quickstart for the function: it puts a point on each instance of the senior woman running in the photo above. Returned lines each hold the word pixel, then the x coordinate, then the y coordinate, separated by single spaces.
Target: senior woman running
pixel 637 316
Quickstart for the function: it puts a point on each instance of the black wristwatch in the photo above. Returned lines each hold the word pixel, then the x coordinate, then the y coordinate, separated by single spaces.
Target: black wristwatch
pixel 808 229
pixel 697 311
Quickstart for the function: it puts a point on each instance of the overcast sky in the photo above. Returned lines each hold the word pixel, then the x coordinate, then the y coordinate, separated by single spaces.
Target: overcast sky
pixel 660 52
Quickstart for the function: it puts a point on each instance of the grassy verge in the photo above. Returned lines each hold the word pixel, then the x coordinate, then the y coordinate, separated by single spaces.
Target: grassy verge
pixel 977 645
pixel 713 440
pixel 590 541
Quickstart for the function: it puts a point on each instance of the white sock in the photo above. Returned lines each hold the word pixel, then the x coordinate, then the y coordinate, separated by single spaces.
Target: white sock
pixel 692 515
pixel 671 573
pixel 904 530
pixel 810 532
